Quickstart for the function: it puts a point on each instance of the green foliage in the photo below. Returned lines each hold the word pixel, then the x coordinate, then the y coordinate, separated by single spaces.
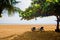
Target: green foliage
pixel 30 13
pixel 42 8
pixel 9 5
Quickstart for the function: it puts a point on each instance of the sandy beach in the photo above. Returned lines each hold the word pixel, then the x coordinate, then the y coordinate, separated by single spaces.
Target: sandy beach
pixel 7 30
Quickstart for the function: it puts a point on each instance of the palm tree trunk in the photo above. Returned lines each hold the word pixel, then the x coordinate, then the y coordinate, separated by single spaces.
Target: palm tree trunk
pixel 57 27
pixel 0 13
pixel 1 9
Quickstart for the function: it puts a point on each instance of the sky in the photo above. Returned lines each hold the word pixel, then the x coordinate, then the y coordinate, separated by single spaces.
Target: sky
pixel 15 19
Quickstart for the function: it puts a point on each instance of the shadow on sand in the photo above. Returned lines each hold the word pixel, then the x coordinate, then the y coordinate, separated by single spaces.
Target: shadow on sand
pixel 46 35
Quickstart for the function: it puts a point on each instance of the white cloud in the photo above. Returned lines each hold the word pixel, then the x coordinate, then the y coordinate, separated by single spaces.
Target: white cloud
pixel 24 4
pixel 16 20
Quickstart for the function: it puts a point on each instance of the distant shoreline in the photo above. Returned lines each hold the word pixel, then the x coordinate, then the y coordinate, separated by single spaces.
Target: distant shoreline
pixel 28 24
